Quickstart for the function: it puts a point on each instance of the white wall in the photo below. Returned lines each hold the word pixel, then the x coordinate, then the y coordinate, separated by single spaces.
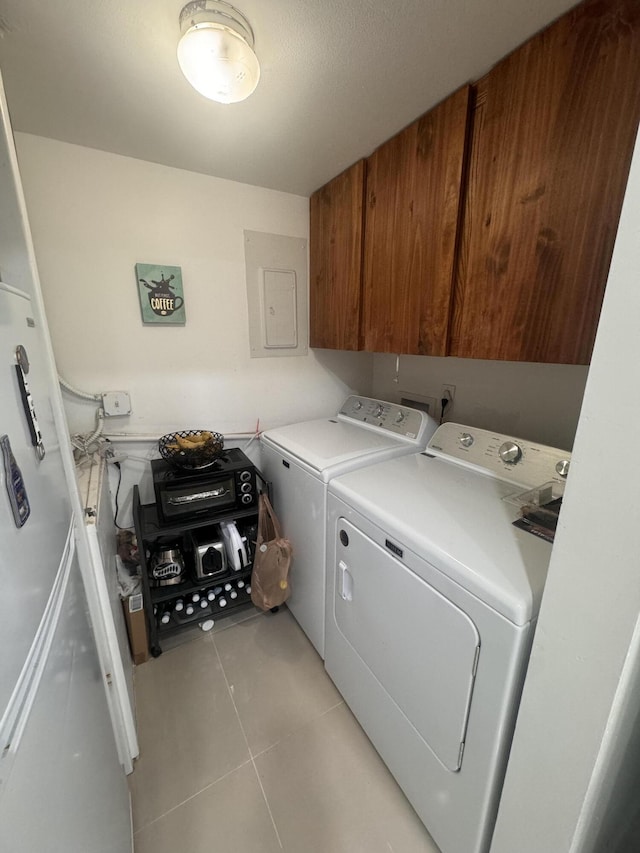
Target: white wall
pixel 539 402
pixel 93 216
pixel 582 685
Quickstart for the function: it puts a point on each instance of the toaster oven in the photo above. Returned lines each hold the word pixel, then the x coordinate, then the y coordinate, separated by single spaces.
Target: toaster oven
pixel 229 484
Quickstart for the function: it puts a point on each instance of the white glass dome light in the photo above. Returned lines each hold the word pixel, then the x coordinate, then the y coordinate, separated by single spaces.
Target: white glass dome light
pixel 216 53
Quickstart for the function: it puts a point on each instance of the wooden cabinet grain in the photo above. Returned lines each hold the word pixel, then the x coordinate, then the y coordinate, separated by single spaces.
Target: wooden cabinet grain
pixel 553 132
pixel 335 257
pixel 489 235
pixel 411 221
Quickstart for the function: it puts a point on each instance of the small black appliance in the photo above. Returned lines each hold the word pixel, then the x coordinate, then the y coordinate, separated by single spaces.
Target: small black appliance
pixel 229 484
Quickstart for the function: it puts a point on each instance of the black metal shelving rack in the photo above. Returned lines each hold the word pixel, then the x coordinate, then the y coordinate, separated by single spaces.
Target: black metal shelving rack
pixel 148 531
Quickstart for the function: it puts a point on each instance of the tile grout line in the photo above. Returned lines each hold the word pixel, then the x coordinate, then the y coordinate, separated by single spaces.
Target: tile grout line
pixel 234 624
pixel 244 735
pixel 299 729
pixel 207 638
pixel 192 796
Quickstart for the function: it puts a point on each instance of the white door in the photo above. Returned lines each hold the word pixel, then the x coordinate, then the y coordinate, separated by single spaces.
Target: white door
pixel 64 789
pixel 421 648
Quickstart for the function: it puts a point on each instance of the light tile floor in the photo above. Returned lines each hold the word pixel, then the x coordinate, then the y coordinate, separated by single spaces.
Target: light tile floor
pixel 247 747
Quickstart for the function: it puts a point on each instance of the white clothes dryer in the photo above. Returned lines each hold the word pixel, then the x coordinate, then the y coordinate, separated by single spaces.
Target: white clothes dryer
pixel 432 598
pixel 300 460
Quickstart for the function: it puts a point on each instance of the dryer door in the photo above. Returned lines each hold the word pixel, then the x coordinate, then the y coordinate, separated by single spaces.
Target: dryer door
pixel 421 648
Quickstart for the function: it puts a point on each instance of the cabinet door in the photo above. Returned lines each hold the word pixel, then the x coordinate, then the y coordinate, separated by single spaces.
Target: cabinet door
pixel 335 256
pixel 553 132
pixel 411 223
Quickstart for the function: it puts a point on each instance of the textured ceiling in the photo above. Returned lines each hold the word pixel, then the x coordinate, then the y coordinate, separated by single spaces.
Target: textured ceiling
pixel 338 78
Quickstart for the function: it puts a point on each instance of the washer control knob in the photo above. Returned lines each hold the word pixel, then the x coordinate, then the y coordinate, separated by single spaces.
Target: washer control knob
pixel 379 411
pixel 562 467
pixel 510 452
pixel 400 417
pixel 357 405
pixel 466 439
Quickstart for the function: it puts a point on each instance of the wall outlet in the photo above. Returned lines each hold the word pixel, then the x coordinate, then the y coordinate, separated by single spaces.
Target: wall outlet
pixel 448 392
pixel 116 403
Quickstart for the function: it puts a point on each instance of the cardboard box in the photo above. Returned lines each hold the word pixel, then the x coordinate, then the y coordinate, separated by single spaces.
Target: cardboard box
pixel 136 620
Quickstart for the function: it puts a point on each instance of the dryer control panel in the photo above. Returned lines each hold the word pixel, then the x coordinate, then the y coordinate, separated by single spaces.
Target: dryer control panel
pixel 402 421
pixel 513 459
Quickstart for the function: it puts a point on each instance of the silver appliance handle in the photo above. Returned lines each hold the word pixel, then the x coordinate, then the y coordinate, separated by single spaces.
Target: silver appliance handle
pixel 22 368
pixel 198 496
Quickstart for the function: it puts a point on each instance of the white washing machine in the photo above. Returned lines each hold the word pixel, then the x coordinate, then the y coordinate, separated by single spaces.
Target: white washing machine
pixel 432 598
pixel 301 459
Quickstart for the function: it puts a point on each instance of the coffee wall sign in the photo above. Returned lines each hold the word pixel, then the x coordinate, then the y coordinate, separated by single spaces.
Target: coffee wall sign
pixel 161 295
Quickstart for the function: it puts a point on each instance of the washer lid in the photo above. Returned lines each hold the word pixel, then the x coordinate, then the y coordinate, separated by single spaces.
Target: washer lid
pixel 455 519
pixel 328 442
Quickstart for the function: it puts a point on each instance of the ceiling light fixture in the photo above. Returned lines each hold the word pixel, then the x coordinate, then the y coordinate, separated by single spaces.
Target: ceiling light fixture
pixel 215 52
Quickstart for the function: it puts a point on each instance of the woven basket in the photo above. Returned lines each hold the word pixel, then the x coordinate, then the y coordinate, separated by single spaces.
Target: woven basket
pixel 179 453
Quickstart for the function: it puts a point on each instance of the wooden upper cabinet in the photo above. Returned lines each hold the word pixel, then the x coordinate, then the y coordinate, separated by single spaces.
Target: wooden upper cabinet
pixel 411 223
pixel 553 133
pixel 335 259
